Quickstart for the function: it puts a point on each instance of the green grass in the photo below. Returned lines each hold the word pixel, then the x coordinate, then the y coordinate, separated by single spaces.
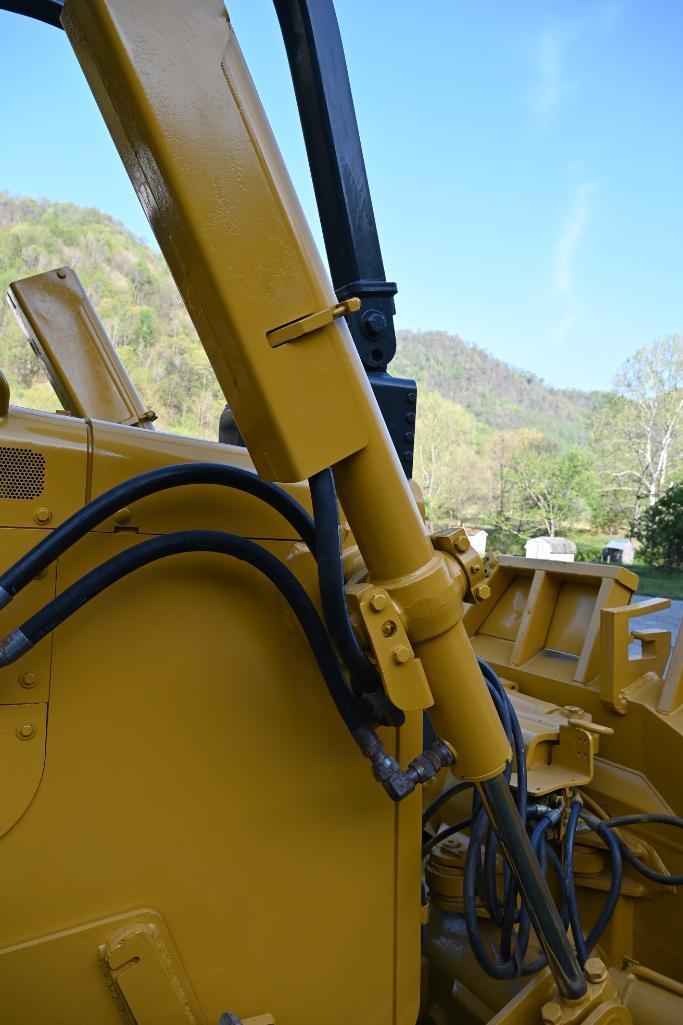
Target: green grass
pixel 659 583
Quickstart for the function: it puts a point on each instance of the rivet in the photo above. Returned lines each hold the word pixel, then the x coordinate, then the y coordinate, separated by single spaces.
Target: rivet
pixel 29 678
pixel 42 515
pixel 400 654
pixel 378 601
pixel 26 730
pixel 61 273
pixel 122 516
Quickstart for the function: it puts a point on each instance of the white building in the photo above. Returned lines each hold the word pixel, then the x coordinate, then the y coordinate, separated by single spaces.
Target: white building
pixel 557 549
pixel 619 550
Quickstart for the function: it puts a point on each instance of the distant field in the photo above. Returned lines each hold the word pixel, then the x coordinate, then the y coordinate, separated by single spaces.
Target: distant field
pixel 659 583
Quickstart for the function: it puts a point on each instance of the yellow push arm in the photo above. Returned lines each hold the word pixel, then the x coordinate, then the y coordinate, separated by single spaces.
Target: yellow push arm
pixel 178 99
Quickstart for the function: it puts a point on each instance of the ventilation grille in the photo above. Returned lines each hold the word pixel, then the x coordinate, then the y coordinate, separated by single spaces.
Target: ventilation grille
pixel 22 473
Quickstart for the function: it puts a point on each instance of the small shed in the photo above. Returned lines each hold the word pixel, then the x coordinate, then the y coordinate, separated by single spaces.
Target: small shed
pixel 478 538
pixel 619 550
pixel 557 549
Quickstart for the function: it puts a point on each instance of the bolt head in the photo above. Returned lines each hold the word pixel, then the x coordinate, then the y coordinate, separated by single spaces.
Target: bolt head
pixel 29 678
pixel 552 1013
pixel 61 273
pixel 26 730
pixel 122 516
pixel 373 323
pixel 378 601
pixel 595 970
pixel 482 592
pixel 400 654
pixel 42 515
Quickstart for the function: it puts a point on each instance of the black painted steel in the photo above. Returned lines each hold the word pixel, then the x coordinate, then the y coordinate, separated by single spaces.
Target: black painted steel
pixel 48 11
pixel 328 118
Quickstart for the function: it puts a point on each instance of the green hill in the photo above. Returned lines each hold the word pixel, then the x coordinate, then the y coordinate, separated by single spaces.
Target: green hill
pixel 146 320
pixel 498 395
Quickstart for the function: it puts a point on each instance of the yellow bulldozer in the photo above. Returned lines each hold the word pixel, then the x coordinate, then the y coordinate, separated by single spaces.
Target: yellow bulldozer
pixel 270 753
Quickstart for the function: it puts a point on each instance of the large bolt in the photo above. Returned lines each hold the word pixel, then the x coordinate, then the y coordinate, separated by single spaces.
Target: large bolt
pixel 378 601
pixel 400 654
pixel 595 970
pixel 552 1013
pixel 373 323
pixel 26 730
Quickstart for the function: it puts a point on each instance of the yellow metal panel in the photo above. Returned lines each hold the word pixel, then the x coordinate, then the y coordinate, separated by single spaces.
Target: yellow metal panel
pixel 120 453
pixel 571 617
pixel 22 757
pixel 69 339
pixel 67 982
pixel 176 95
pixel 506 616
pixel 27 679
pixel 49 454
pixel 194 755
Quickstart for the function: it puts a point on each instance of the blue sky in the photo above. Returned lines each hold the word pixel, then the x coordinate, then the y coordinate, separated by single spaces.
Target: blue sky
pixel 524 159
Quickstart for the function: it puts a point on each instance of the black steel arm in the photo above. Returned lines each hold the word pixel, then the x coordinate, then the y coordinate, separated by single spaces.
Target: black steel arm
pixel 328 118
pixel 48 11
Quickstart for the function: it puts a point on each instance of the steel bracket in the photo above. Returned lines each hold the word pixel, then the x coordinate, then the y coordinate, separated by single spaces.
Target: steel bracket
pixel 403 676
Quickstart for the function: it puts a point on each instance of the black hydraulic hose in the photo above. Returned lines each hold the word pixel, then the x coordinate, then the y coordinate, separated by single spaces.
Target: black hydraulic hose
pixel 444 835
pixel 444 798
pixel 75 596
pixel 569 883
pixel 635 820
pixel 609 907
pixel 331 583
pixel 151 482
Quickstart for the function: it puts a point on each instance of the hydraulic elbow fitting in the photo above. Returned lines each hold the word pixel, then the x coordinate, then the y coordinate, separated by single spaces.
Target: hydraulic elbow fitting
pixel 398 782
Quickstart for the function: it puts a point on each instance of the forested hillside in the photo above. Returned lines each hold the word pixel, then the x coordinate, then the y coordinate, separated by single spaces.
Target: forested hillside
pixel 494 444
pixel 497 394
pixel 140 307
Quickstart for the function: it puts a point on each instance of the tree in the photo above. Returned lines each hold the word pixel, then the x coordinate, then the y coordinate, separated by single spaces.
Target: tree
pixel 446 461
pixel 637 429
pixel 660 529
pixel 545 487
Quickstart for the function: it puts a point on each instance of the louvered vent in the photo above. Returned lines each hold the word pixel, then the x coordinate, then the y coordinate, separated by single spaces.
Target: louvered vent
pixel 22 473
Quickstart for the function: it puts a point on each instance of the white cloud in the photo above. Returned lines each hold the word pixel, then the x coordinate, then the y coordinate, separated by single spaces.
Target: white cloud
pixel 569 239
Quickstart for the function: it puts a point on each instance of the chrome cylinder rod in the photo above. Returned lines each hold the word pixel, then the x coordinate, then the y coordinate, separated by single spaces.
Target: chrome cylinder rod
pixel 544 915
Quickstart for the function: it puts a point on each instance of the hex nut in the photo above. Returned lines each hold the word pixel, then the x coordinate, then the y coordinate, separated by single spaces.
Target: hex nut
pixel 595 970
pixel 552 1013
pixel 400 654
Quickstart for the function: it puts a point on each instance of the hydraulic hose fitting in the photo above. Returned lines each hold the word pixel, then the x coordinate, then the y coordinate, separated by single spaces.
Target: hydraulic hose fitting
pixel 13 646
pixel 398 782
